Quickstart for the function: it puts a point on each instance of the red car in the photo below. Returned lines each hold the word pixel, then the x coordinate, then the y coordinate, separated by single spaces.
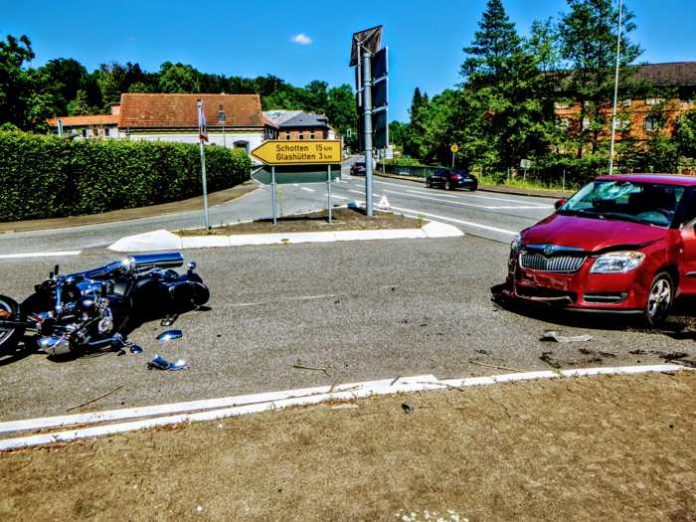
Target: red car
pixel 623 243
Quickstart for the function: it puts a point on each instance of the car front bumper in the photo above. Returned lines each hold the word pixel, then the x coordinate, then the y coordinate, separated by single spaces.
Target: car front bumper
pixel 581 290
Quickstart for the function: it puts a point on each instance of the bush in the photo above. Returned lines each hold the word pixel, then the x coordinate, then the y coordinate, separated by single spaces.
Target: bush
pixel 47 176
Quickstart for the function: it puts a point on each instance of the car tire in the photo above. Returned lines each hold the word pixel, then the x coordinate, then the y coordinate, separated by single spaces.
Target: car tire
pixel 659 301
pixel 474 188
pixel 448 185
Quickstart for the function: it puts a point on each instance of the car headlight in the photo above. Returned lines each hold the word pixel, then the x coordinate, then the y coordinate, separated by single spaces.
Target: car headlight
pixel 617 262
pixel 516 245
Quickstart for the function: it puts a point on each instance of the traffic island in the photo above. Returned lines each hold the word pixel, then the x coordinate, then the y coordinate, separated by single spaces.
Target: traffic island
pixel 616 447
pixel 347 225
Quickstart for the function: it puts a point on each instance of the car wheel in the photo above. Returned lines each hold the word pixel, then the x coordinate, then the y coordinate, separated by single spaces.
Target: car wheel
pixel 474 187
pixel 660 298
pixel 428 183
pixel 448 185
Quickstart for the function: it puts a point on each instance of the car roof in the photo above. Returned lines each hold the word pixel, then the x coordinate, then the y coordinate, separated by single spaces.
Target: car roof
pixel 665 179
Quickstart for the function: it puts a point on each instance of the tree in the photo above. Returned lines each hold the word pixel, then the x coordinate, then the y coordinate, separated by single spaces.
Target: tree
pixel 63 78
pixel 15 83
pixel 588 44
pixel 685 135
pixel 501 88
pixel 416 129
pixel 178 78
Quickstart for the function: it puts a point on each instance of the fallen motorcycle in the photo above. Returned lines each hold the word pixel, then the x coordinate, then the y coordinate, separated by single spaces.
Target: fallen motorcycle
pixel 94 309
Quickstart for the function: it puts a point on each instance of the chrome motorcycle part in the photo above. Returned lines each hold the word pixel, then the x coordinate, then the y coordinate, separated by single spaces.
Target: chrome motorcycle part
pixel 55 345
pixel 170 335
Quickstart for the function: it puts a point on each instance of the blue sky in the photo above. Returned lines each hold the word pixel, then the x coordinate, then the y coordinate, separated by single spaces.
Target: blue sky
pixel 256 37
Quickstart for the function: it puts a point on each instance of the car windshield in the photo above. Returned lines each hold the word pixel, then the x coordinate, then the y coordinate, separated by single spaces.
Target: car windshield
pixel 647 203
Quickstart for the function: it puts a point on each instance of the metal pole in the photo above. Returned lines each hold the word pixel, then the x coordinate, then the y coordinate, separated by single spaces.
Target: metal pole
pixel 328 190
pixel 616 89
pixel 367 101
pixel 564 174
pixel 205 187
pixel 453 159
pixel 273 196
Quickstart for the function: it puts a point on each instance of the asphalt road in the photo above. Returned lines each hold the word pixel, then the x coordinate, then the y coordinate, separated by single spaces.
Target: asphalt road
pixel 491 215
pixel 365 310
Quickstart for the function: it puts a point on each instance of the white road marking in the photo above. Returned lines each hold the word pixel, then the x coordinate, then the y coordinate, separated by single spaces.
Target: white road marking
pixel 462 204
pixel 42 254
pixel 307 189
pixel 416 213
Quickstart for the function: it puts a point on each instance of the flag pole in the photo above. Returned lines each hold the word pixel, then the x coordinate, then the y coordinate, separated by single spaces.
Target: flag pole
pixel 203 136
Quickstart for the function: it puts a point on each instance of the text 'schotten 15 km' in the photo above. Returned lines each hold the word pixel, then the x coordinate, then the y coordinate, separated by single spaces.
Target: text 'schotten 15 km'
pixel 299 152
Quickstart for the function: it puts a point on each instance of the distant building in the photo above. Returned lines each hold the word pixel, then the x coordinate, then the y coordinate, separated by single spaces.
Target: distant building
pixel 640 117
pixel 233 120
pixel 299 125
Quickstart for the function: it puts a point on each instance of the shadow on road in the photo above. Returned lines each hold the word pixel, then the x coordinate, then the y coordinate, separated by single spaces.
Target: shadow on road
pixel 680 326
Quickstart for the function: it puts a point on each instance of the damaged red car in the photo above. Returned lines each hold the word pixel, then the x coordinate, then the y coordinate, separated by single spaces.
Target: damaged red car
pixel 623 243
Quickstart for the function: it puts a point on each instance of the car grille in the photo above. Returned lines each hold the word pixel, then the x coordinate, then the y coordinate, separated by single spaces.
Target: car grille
pixel 559 264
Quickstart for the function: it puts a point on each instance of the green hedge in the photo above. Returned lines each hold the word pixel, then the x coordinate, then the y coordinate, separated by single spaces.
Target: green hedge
pixel 47 176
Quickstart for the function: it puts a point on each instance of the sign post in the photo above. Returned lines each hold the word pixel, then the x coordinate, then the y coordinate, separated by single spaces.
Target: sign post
pixel 328 190
pixel 525 164
pixel 274 197
pixel 298 153
pixel 454 148
pixel 203 136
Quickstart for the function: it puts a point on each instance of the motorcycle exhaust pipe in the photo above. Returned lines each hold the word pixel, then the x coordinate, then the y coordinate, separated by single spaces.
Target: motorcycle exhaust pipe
pixel 145 262
pixel 55 345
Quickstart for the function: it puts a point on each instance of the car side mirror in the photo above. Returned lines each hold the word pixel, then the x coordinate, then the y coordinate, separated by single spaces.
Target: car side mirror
pixel 558 204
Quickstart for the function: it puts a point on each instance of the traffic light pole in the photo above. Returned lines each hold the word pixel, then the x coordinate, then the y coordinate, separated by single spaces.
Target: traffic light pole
pixel 367 115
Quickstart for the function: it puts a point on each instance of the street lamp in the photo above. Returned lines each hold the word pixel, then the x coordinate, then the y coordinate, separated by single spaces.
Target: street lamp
pixel 616 90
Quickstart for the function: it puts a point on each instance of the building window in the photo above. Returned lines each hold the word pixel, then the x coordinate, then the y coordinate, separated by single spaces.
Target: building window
pixel 585 123
pixel 651 124
pixel 622 125
pixel 242 145
pixel 288 136
pixel 653 101
pixel 627 102
pixel 562 105
pixel 301 136
pixel 312 136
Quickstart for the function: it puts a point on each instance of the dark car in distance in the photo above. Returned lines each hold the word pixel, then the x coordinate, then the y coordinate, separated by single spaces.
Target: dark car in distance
pixel 450 179
pixel 358 168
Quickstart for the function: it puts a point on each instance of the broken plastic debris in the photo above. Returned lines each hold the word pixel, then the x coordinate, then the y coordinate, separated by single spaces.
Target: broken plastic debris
pixel 553 336
pixel 161 363
pixel 137 350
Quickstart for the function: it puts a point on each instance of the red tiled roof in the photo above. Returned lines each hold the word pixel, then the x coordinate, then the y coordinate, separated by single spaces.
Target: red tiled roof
pixel 139 110
pixel 82 121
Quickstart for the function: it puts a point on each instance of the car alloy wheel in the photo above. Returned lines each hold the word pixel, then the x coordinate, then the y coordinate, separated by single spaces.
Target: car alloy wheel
pixel 448 185
pixel 659 300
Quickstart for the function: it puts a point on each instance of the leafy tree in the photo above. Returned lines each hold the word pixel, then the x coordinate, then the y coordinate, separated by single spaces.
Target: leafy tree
pixel 178 78
pixel 79 106
pixel 63 78
pixel 588 44
pixel 15 83
pixel 416 129
pixel 685 135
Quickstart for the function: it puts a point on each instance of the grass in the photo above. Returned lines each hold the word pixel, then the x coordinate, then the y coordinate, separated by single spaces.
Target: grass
pixel 601 448
pixel 527 184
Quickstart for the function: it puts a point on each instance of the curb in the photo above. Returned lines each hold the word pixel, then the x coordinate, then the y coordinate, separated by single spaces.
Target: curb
pixel 165 240
pixel 215 409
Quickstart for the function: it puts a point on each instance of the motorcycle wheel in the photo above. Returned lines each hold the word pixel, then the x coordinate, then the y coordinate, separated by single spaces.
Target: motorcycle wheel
pixel 9 337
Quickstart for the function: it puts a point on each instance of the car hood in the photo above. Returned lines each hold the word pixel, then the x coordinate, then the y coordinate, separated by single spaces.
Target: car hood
pixel 591 234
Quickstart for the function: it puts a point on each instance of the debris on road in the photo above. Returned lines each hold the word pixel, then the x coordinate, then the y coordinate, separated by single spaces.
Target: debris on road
pixel 407 407
pixel 553 336
pixel 672 357
pixel 161 363
pixel 550 359
pixel 97 399
pixel 496 367
pixel 328 370
pixel 135 349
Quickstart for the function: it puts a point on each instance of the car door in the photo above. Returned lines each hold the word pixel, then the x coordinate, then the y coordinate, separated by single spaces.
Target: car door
pixel 439 178
pixel 686 254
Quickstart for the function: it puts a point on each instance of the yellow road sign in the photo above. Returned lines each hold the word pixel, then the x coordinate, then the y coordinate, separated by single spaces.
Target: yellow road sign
pixel 454 148
pixel 299 152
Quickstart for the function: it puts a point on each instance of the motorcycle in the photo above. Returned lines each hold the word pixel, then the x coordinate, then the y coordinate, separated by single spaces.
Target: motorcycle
pixel 93 309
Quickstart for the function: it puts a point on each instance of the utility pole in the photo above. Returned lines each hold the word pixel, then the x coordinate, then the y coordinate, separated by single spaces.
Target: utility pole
pixel 616 89
pixel 367 115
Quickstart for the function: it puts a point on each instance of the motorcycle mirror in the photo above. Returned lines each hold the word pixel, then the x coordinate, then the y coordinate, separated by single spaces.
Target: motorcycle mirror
pixel 56 269
pixel 170 335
